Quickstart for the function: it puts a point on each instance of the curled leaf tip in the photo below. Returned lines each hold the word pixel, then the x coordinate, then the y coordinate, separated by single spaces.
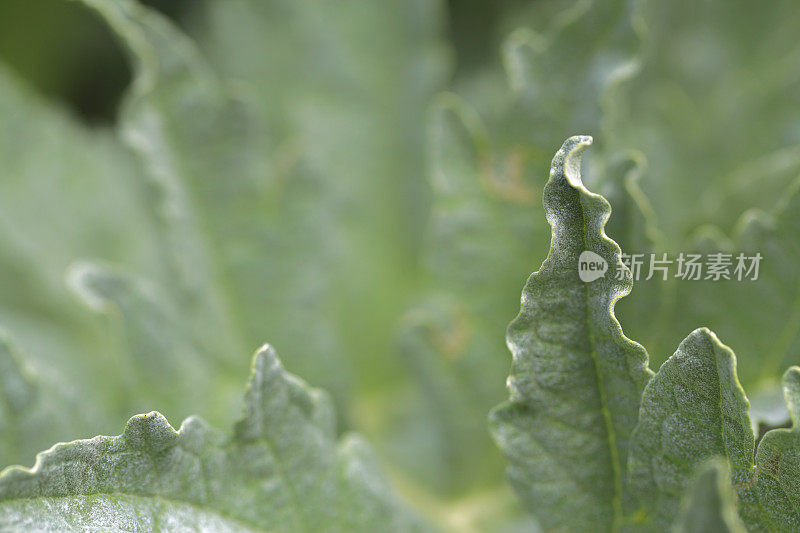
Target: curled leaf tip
pixel 567 160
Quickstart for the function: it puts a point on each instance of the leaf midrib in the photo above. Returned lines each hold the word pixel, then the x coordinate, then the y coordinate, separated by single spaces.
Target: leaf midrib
pixel 616 500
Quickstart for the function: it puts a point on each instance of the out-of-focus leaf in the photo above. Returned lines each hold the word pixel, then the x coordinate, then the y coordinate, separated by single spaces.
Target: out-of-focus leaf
pixel 281 470
pixel 757 317
pixel 434 342
pixel 477 247
pixel 713 109
pixel 576 379
pixel 37 410
pixel 344 88
pixel 161 363
pixel 709 506
pixel 67 190
pixel 234 245
pixel 55 173
pixel 635 226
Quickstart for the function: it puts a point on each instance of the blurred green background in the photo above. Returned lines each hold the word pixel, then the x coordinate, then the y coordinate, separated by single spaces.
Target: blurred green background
pixel 359 184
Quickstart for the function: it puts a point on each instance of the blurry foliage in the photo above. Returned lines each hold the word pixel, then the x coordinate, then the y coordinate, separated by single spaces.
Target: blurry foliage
pixel 359 183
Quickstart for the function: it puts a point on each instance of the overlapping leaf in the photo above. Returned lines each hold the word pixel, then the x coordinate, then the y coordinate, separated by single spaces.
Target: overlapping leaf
pixel 695 409
pixel 575 458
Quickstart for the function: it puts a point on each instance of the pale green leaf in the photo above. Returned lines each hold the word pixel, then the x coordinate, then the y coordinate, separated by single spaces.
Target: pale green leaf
pixel 66 190
pixel 236 238
pixel 759 318
pixel 344 88
pixel 161 364
pixel 712 107
pixel 282 469
pixel 38 409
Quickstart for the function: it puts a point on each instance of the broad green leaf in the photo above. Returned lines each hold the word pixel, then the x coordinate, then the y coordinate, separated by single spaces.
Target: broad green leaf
pixel 694 408
pixel 576 379
pixel 282 469
pixel 710 506
pixel 66 190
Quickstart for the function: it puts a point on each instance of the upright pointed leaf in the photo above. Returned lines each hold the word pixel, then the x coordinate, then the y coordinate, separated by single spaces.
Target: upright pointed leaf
pixel 576 379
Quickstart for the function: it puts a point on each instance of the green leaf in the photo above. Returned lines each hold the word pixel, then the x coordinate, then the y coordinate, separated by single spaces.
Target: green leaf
pixel 710 505
pixel 489 141
pixel 695 111
pixel 37 410
pixel 282 469
pixel 694 408
pixel 234 237
pixel 66 190
pixel 478 236
pixel 344 88
pixel 760 318
pixel 162 364
pixel 438 344
pixel 576 379
pixel 771 501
